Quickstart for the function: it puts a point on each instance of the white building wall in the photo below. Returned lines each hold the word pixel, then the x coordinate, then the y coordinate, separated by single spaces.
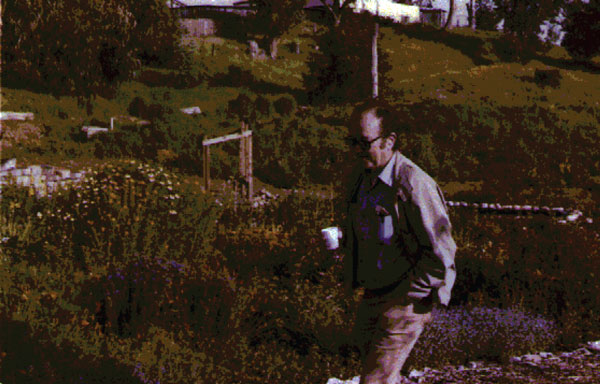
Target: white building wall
pixel 400 13
pixel 460 17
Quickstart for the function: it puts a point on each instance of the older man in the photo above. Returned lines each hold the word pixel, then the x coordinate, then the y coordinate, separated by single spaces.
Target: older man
pixel 399 245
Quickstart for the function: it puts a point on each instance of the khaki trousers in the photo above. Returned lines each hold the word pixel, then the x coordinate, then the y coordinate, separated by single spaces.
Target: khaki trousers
pixel 387 328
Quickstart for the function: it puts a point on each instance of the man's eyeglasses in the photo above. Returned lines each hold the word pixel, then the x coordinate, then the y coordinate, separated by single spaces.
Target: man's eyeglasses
pixel 361 142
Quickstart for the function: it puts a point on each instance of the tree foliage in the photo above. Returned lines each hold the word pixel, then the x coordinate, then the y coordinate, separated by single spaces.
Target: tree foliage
pixel 341 69
pixel 157 31
pixel 486 17
pixel 582 28
pixel 81 47
pixel 275 17
pixel 523 18
pixel 336 9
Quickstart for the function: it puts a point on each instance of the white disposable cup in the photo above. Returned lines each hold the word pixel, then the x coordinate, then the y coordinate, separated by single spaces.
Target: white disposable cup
pixel 332 236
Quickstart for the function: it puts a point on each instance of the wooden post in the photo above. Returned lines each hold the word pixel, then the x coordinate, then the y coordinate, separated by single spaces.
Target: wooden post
pixel 374 58
pixel 246 158
pixel 249 164
pixel 243 154
pixel 206 164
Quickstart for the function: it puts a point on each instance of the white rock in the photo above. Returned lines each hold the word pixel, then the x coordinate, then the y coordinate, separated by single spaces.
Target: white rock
pixel 354 380
pixel 532 358
pixel 9 164
pixel 16 116
pixel 594 345
pixel 191 110
pixel 415 374
pixel 574 216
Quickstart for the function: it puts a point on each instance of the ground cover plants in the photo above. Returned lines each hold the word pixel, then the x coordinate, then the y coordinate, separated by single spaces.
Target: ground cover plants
pixel 137 271
pixel 140 275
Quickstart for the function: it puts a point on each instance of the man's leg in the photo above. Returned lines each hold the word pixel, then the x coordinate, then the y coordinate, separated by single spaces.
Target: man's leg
pixel 394 329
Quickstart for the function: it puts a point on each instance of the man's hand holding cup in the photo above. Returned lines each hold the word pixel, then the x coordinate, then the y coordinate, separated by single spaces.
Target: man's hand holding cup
pixel 331 237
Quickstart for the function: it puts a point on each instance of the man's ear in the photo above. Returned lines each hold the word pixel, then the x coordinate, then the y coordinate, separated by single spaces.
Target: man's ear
pixel 391 140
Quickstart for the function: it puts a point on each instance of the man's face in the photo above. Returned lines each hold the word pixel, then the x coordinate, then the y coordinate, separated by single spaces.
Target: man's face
pixel 374 150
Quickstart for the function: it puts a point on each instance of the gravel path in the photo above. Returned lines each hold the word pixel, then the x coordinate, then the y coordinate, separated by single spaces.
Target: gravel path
pixel 581 366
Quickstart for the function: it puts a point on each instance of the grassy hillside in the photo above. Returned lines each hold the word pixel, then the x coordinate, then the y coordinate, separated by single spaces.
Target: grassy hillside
pixel 476 115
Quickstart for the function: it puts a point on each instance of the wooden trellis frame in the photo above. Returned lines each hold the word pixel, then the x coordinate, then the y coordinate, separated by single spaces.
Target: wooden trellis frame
pixel 245 138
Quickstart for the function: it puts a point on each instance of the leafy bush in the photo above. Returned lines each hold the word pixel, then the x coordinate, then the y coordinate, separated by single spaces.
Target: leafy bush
pixel 549 78
pixel 156 33
pixel 285 105
pixel 96 47
pixel 137 269
pixel 527 263
pixel 340 70
pixel 291 152
pixel 458 335
pixel 234 76
pixel 486 17
pixel 581 26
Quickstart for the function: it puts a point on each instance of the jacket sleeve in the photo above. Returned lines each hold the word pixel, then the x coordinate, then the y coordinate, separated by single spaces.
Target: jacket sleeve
pixel 434 268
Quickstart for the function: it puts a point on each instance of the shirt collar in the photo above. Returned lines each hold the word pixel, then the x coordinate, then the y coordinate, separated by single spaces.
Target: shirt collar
pixel 386 174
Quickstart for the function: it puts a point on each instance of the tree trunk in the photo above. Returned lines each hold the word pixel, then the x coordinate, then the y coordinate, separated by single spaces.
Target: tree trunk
pixel 450 14
pixel 374 66
pixel 274 48
pixel 472 23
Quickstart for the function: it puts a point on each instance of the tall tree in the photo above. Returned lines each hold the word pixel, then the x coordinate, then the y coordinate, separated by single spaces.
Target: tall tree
pixel 157 31
pixel 339 70
pixel 450 14
pixel 523 18
pixel 336 8
pixel 275 17
pixel 375 62
pixel 82 47
pixel 582 28
pixel 63 46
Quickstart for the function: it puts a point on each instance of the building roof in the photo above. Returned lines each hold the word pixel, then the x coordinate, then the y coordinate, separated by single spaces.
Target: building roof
pixel 317 3
pixel 205 3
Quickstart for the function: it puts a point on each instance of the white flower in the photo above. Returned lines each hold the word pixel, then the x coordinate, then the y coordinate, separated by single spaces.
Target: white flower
pixel 172 212
pixel 39 215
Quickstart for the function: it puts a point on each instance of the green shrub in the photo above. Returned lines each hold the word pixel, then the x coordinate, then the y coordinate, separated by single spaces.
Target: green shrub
pixel 340 70
pixel 581 25
pixel 285 105
pixel 459 335
pixel 224 292
pixel 486 18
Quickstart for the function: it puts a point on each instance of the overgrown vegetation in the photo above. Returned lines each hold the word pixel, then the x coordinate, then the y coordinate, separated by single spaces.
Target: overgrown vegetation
pixel 139 276
pixel 581 24
pixel 99 43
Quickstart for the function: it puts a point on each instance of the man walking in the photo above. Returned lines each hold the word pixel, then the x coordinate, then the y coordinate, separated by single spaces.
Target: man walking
pixel 399 245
